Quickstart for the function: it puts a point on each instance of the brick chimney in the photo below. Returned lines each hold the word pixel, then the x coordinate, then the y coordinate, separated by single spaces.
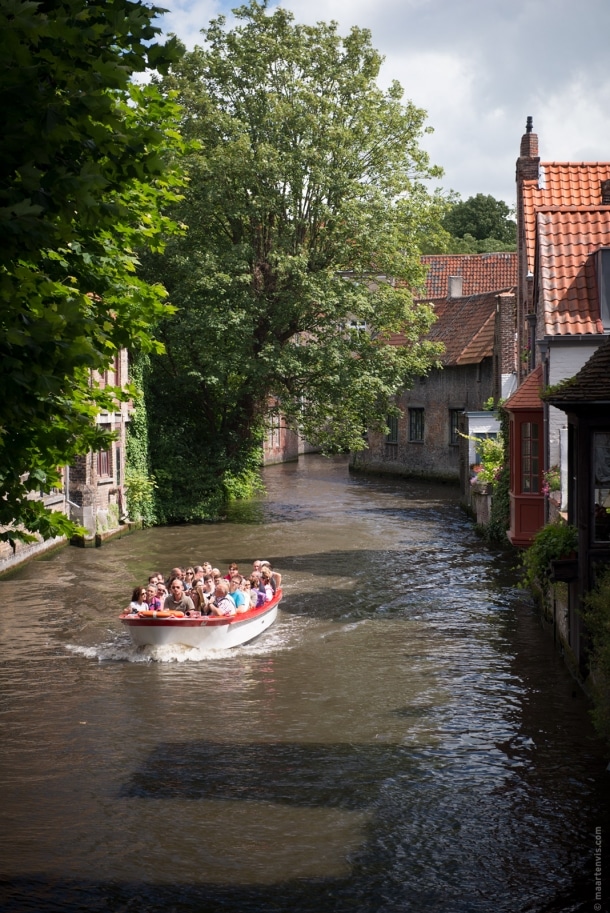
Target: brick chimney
pixel 529 161
pixel 528 169
pixel 605 187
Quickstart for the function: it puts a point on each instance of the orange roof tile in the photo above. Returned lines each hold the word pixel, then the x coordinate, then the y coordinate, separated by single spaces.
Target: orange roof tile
pixel 568 292
pixel 479 272
pixel 560 184
pixel 465 326
pixel 527 396
pixel 481 345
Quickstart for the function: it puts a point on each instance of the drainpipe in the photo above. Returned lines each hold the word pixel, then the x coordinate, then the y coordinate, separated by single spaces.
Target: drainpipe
pixel 543 345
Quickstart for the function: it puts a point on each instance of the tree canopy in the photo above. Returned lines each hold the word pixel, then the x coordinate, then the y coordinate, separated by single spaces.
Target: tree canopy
pixel 482 219
pixel 306 203
pixel 83 180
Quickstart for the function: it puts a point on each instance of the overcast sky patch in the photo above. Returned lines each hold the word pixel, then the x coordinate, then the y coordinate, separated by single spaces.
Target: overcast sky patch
pixel 479 68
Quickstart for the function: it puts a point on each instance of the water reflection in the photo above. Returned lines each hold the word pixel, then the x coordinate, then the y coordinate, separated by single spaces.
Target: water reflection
pixel 403 739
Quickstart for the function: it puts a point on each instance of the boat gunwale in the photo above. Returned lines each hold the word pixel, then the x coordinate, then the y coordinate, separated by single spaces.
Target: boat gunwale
pixel 205 621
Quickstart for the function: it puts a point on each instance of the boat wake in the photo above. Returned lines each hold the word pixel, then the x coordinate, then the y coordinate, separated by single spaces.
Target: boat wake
pixel 285 634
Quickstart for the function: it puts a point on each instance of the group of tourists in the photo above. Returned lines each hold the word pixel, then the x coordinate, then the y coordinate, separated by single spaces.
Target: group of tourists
pixel 203 590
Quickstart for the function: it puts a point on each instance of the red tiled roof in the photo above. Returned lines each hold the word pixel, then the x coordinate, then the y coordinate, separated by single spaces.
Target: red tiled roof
pixel 528 394
pixel 567 238
pixel 480 272
pixel 481 345
pixel 465 326
pixel 561 184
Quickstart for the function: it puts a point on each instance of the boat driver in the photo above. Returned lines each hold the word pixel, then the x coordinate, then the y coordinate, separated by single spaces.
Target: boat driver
pixel 178 601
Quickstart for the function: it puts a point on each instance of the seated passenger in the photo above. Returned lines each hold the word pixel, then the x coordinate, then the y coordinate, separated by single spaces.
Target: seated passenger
pixel 267 582
pixel 249 594
pixel 138 599
pixel 276 578
pixel 154 601
pixel 237 594
pixel 178 601
pixel 257 589
pixel 222 604
pixel 232 572
pixel 200 599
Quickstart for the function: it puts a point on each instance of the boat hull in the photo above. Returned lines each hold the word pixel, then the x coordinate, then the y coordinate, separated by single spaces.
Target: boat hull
pixel 208 632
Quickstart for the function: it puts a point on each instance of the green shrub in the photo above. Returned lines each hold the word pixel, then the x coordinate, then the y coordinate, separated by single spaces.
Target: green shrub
pixel 596 615
pixel 555 540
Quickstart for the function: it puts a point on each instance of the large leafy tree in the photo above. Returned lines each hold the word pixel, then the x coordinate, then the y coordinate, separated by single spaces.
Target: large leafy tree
pixel 82 181
pixel 482 219
pixel 306 203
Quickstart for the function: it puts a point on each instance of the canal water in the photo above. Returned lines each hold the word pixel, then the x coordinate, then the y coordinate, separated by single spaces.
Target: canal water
pixel 405 738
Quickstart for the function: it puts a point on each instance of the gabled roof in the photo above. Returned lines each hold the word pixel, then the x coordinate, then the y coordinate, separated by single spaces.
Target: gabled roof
pixel 590 385
pixel 466 327
pixel 479 272
pixel 560 185
pixel 527 396
pixel 568 292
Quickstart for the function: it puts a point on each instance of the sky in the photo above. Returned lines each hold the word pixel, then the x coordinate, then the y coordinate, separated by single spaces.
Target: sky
pixel 479 68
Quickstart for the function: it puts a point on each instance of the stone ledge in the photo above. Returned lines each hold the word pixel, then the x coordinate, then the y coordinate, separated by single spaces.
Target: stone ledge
pixel 98 539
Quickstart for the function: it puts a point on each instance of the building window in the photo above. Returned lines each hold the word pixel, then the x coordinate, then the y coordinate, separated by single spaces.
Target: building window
pixel 274 437
pixel 392 435
pixel 104 458
pixel 454 421
pixel 530 458
pixel 601 485
pixel 416 425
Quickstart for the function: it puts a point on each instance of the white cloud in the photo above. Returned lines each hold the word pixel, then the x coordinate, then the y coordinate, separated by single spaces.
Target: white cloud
pixel 479 68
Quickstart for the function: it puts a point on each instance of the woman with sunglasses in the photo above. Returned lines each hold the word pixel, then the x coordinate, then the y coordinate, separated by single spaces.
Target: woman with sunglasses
pixel 138 599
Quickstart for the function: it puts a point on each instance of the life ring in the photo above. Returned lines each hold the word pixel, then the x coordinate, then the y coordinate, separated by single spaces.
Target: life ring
pixel 151 613
pixel 175 614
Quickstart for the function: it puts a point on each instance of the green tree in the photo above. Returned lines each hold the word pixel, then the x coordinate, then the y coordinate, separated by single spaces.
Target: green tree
pixel 306 204
pixel 481 222
pixel 83 177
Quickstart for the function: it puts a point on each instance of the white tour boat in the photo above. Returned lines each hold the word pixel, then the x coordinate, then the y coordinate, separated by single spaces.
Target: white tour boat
pixel 207 632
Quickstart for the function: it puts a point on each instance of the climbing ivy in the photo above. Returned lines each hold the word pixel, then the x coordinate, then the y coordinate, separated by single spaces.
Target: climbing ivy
pixel 139 482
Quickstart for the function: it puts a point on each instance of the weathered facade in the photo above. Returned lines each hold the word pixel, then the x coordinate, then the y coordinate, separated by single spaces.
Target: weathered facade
pixel 563 312
pixel 478 364
pixel 282 445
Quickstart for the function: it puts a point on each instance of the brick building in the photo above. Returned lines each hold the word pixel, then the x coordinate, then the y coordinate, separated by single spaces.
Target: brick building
pixel 476 325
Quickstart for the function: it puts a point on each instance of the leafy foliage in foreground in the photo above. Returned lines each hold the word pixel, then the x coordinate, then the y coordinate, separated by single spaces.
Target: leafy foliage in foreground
pixel 306 205
pixel 596 614
pixel 83 178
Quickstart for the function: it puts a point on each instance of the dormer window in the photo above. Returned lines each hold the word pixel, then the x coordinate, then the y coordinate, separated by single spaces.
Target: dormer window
pixel 603 284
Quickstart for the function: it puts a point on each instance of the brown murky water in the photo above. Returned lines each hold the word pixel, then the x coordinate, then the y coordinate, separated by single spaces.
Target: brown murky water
pixel 404 738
